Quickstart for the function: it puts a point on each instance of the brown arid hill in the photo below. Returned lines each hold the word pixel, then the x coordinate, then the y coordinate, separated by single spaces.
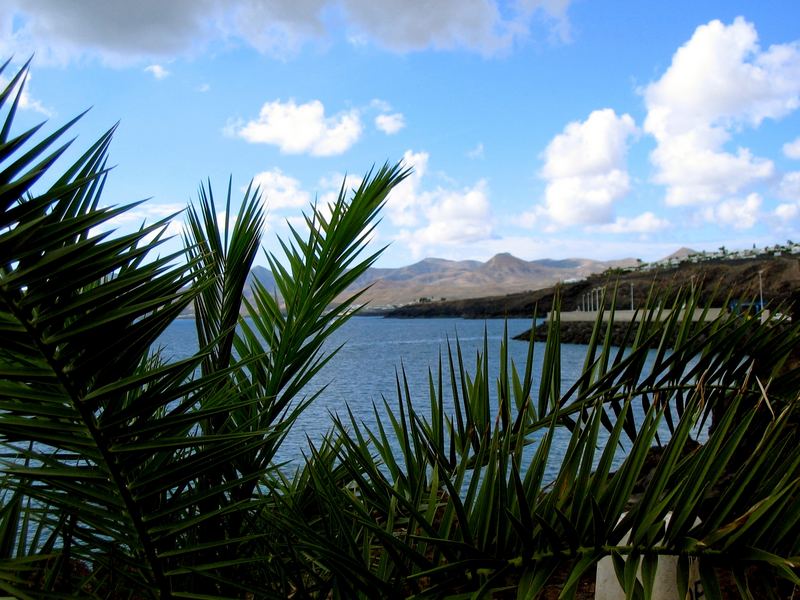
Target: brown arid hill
pixel 714 281
pixel 435 278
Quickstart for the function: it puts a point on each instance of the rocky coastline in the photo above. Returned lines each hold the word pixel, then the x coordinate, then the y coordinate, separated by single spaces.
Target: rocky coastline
pixel 575 333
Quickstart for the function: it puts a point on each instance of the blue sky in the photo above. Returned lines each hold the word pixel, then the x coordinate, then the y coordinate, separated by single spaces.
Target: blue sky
pixel 544 128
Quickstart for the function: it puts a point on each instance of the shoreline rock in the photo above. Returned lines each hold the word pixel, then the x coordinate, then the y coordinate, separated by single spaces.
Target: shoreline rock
pixel 574 333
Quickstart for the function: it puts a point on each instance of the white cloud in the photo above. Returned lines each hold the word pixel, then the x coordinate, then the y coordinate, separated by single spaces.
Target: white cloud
pixel 787 212
pixel 281 191
pixel 586 199
pixel 157 71
pixel 302 128
pixel 454 217
pixel 792 149
pixel 26 101
pixel 736 213
pixel 585 169
pixel 203 88
pixel 697 174
pixel 120 33
pixel 645 223
pixel 331 186
pixel 440 216
pixel 789 186
pixel 390 124
pixel 717 83
pixel 403 203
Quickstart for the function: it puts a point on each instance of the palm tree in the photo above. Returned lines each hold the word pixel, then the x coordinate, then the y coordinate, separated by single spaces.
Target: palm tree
pixel 483 503
pixel 149 470
pixel 126 475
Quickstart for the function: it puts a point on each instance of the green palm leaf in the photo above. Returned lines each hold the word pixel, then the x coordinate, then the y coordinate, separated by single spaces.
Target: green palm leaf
pixel 156 466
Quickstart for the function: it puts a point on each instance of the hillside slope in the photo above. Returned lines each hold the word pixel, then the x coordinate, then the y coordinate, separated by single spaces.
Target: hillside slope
pixel 780 276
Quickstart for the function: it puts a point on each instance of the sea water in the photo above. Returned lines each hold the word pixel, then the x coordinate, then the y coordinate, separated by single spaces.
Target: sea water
pixel 374 352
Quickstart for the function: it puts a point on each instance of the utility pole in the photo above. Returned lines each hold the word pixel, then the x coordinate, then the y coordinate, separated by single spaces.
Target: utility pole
pixel 760 291
pixel 631 296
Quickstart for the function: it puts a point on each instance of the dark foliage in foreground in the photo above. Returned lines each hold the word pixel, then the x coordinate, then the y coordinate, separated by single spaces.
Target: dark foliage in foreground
pixel 126 476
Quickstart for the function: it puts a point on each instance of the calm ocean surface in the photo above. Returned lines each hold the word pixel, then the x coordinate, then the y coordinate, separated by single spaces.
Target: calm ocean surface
pixel 375 349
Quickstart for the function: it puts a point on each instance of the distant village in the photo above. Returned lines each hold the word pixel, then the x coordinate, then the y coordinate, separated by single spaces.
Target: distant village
pixel 723 253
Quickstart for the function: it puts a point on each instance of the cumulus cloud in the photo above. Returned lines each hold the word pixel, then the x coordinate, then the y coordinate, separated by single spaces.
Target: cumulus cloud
pixel 26 101
pixel 437 216
pixel 736 213
pixel 280 190
pixel 645 223
pixel 453 217
pixel 286 195
pixel 302 128
pixel 390 124
pixel 157 71
pixel 585 169
pixel 792 149
pixel 718 82
pixel 787 212
pixel 403 204
pixel 332 185
pixel 125 32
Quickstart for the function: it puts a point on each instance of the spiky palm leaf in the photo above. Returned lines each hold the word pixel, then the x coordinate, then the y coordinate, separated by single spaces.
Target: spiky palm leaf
pixel 462 505
pixel 272 354
pixel 153 465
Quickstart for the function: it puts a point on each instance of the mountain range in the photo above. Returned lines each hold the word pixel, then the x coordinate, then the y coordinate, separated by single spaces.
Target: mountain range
pixel 437 278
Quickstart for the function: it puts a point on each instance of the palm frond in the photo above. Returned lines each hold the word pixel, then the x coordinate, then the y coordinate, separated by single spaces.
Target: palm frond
pixel 465 505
